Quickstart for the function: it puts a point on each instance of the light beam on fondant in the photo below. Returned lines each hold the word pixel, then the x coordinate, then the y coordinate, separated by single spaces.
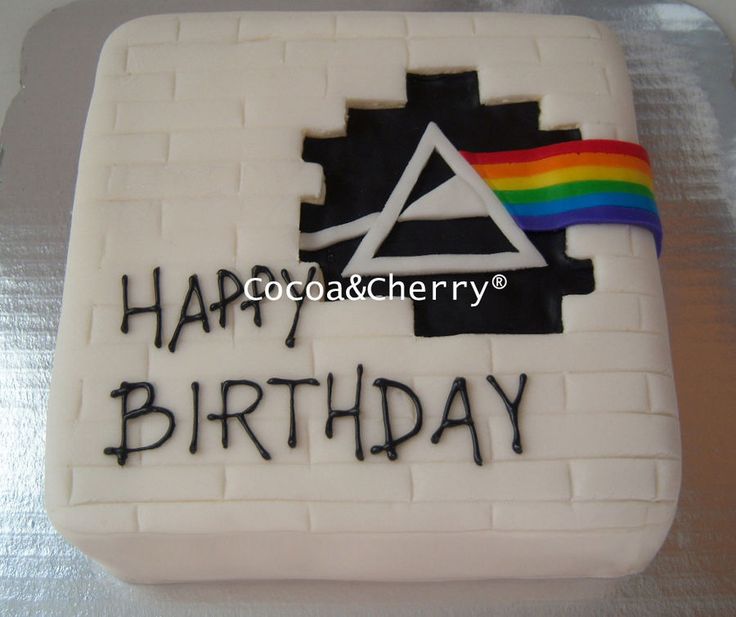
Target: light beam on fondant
pixel 576 182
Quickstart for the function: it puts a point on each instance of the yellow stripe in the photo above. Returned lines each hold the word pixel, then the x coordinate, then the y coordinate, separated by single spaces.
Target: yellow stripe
pixel 572 174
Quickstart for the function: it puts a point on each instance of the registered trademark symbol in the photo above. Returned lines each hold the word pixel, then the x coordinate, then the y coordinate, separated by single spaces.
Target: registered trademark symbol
pixel 499 281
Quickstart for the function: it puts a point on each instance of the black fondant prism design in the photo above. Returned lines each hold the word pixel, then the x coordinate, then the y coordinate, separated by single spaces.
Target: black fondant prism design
pixel 375 221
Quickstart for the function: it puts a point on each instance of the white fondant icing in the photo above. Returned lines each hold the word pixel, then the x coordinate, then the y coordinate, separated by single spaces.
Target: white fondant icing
pixel 312 241
pixel 191 161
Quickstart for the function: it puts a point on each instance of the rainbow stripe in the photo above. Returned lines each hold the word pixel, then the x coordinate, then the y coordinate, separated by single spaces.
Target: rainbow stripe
pixel 575 182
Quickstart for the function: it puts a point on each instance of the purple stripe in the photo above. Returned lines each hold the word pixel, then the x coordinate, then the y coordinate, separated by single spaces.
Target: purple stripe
pixel 598 214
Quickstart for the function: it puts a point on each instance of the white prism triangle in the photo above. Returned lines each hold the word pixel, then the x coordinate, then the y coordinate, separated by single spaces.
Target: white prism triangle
pixel 364 260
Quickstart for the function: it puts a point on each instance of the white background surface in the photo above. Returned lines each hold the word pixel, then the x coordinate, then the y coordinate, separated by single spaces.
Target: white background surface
pixel 17 16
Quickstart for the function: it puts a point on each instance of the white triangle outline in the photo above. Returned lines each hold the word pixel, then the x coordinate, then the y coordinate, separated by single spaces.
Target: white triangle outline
pixel 365 262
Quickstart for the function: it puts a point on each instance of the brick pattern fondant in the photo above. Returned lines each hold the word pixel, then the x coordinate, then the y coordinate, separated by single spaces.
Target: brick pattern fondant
pixel 191 161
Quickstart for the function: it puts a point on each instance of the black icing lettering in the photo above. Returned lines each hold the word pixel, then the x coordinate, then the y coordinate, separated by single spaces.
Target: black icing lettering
pixel 389 447
pixel 184 317
pixel 122 451
pixel 459 386
pixel 240 415
pixel 512 407
pixel 353 412
pixel 195 417
pixel 137 310
pixel 292 383
pixel 225 300
pixel 257 272
pixel 290 338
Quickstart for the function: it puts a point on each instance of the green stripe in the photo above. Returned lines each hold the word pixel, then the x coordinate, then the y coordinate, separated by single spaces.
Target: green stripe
pixel 572 189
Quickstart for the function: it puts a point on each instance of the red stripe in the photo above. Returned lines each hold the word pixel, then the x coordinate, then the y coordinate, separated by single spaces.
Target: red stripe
pixel 608 146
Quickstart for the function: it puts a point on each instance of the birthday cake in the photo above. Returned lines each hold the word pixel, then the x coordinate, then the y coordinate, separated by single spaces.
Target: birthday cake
pixel 368 296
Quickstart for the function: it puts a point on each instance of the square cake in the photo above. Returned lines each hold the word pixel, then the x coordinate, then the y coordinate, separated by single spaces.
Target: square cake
pixel 363 296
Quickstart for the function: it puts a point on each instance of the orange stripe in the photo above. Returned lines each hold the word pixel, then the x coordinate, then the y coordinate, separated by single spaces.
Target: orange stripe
pixel 561 161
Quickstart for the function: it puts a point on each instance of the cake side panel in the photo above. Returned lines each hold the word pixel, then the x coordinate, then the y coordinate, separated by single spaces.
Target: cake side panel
pixel 172 148
pixel 152 558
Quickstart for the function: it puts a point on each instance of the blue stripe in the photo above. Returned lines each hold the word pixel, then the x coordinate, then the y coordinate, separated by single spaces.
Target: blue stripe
pixel 579 202
pixel 603 214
